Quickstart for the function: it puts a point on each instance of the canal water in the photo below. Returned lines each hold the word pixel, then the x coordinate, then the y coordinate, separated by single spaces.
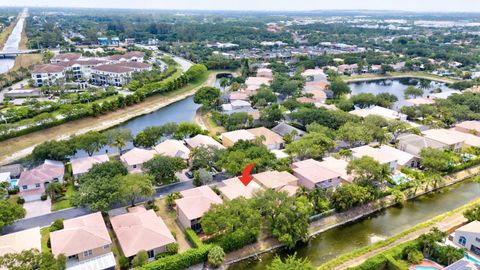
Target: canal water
pixel 396 87
pixel 384 224
pixel 12 44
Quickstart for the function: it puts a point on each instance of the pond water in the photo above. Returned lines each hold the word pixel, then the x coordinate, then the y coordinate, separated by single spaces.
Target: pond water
pixel 379 226
pixel 396 87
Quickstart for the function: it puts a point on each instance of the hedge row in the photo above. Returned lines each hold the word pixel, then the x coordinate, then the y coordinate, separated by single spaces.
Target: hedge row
pixel 181 260
pixel 387 259
pixel 193 238
pixel 233 241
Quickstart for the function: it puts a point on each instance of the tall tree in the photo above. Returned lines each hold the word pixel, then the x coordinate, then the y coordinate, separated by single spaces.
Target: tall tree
pixel 291 263
pixel 10 212
pixel 163 168
pixel 135 186
pixel 207 96
pixel 312 145
pixel 118 138
pixel 33 259
pixel 91 142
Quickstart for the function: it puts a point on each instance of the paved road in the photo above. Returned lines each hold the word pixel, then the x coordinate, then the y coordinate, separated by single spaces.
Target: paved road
pixel 46 220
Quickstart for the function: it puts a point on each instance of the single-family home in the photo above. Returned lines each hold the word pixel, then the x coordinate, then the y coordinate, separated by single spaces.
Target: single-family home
pixel 462 264
pixel 403 158
pixel 275 180
pixel 32 183
pixel 315 75
pixel 468 237
pixel 270 139
pixel 236 105
pixel 265 73
pixel 48 74
pixel 443 94
pixel 381 111
pixel 141 229
pixel 85 242
pixel 284 129
pixel 239 95
pixel 193 204
pixel 420 101
pixel 173 148
pixel 134 159
pixel 65 57
pixel 339 166
pixel 254 83
pixel 471 127
pixel 203 141
pixel 311 174
pixel 20 241
pixel 413 144
pixel 347 68
pixel 82 165
pixel 453 141
pixel 377 154
pixel 231 137
pixel 233 188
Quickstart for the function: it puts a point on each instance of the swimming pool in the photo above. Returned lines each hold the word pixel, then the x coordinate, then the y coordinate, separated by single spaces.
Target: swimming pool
pixel 472 259
pixel 421 267
pixel 13 183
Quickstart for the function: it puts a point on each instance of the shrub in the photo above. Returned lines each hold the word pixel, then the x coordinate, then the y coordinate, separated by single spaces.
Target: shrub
pixel 193 238
pixel 393 264
pixel 181 260
pixel 13 191
pixel 415 256
pixel 216 256
pixel 172 248
pixel 20 200
pixel 56 225
pixel 140 259
pixel 233 241
pixel 151 205
pixel 43 197
pixel 124 263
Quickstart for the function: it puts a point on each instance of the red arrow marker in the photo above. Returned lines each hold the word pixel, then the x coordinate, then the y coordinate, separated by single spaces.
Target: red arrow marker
pixel 246 177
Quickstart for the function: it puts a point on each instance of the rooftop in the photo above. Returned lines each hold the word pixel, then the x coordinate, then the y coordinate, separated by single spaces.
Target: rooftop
pixel 402 157
pixel 173 148
pixel 238 135
pixel 470 126
pixel 377 110
pixel 44 173
pixel 275 179
pixel 197 201
pixel 414 144
pixel 233 188
pixel 83 165
pixel 283 129
pixel 137 156
pixel 337 165
pixel 20 241
pixel 202 141
pixel 270 136
pixel 444 136
pixel 380 156
pixel 47 68
pixel 473 226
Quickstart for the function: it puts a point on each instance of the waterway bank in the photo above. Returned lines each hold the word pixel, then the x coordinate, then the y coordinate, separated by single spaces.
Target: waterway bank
pixel 19 147
pixel 10 40
pixel 361 223
pixel 397 75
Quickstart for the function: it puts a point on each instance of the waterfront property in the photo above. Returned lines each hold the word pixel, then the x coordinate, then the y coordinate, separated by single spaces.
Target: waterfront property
pixel 134 159
pixel 311 174
pixel 468 237
pixel 404 159
pixel 193 204
pixel 117 74
pixel 446 137
pixel 141 229
pixel 85 242
pixel 203 141
pixel 276 180
pixel 33 182
pixel 413 144
pixel 380 111
pixel 339 166
pixel 381 156
pixel 173 148
pixel 81 166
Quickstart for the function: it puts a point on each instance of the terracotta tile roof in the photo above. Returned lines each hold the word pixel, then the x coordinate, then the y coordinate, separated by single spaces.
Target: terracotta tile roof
pixel 113 68
pixel 470 126
pixel 197 201
pixel 316 173
pixel 270 136
pixel 238 135
pixel 337 165
pixel 140 230
pixel 20 241
pixel 233 188
pixel 203 140
pixel 48 68
pixel 43 173
pixel 380 156
pixel 137 156
pixel 173 148
pixel 289 189
pixel 67 57
pixel 127 55
pixel 275 179
pixel 80 234
pixel 473 226
pixel 83 165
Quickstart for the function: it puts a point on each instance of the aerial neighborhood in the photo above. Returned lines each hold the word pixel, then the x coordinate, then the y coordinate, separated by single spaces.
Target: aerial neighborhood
pixel 135 139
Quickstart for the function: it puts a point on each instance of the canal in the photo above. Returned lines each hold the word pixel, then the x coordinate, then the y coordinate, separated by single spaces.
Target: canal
pixel 381 225
pixel 12 44
pixel 397 87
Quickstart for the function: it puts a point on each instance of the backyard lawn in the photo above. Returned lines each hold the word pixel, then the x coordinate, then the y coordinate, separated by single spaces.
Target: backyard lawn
pixel 65 201
pixel 169 217
pixel 45 233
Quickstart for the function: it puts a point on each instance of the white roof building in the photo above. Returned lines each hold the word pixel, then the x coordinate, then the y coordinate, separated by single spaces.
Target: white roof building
pixel 381 111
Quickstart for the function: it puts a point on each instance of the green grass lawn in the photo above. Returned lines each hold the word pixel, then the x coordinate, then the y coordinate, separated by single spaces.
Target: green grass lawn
pixel 65 201
pixel 45 233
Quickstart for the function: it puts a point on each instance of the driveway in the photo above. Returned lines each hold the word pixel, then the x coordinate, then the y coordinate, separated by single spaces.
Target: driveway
pixel 37 208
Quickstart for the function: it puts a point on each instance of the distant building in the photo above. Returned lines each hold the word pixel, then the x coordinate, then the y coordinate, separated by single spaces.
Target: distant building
pixel 65 57
pixel 117 74
pixel 380 111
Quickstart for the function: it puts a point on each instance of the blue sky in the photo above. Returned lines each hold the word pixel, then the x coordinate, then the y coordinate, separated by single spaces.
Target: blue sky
pixel 407 5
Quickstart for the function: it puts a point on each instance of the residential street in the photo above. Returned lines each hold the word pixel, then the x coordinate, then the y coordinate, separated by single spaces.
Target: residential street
pixel 46 220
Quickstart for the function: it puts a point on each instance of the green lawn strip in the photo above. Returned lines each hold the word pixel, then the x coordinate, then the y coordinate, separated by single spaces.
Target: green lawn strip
pixel 361 251
pixel 45 233
pixel 65 202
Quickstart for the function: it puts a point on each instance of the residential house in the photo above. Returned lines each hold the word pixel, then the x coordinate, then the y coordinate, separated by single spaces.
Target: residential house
pixel 48 74
pixel 420 101
pixel 284 129
pixel 315 75
pixel 236 105
pixel 173 148
pixel 233 188
pixel 339 166
pixel 468 237
pixel 232 137
pixel 347 68
pixel 381 111
pixel 275 180
pixel 311 174
pixel 239 95
pixel 470 127
pixel 377 154
pixel 134 56
pixel 32 183
pixel 413 144
pixel 20 241
pixel 265 73
pixel 203 141
pixel 141 229
pixel 270 139
pixel 404 159
pixel 462 264
pixel 454 142
pixel 134 159
pixel 443 94
pixel 82 165
pixel 254 83
pixel 193 204
pixel 85 242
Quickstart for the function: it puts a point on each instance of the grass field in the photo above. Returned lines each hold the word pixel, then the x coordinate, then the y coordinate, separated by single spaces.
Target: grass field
pixel 66 201
pixel 45 233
